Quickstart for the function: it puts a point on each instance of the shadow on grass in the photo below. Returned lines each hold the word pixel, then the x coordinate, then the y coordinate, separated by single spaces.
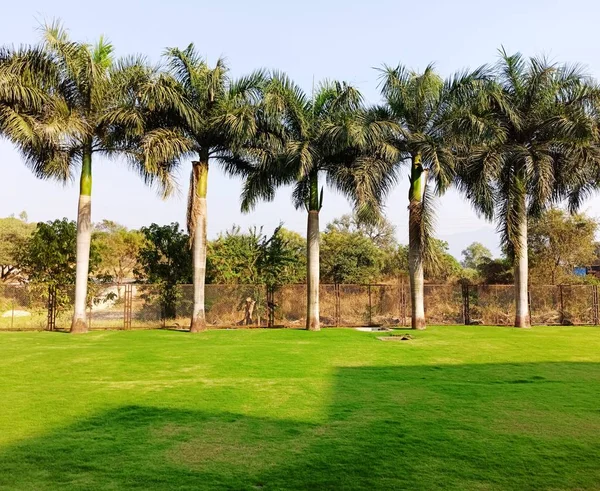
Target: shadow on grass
pixel 502 426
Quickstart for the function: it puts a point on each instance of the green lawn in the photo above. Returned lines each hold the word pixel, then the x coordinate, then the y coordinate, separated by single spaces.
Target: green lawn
pixel 455 408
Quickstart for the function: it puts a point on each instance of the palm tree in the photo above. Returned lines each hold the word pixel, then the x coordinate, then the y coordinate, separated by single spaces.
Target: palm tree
pixel 538 146
pixel 327 135
pixel 427 112
pixel 88 106
pixel 200 112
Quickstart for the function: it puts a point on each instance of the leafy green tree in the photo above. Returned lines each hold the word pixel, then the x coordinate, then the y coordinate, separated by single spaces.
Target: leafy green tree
pixel 349 257
pixel 396 262
pixel 14 233
pixel 48 259
pixel 327 135
pixel 164 256
pixel 558 242
pixel 442 266
pixel 496 271
pixel 253 258
pixel 427 112
pixel 293 271
pixel 118 249
pixel 538 130
pixel 382 232
pixel 233 257
pixel 164 259
pixel 200 111
pixel 89 105
pixel 282 260
pixel 49 255
pixel 474 255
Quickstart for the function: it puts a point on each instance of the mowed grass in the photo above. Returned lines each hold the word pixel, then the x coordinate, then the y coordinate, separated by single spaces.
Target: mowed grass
pixel 455 408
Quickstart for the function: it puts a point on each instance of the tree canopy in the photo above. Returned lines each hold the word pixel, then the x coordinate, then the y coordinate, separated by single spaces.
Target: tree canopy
pixel 559 242
pixel 474 255
pixel 48 256
pixel 118 249
pixel 14 233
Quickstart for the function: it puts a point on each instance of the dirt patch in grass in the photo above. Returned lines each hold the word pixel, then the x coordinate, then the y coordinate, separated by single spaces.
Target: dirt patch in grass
pixel 401 337
pixel 171 430
pixel 245 445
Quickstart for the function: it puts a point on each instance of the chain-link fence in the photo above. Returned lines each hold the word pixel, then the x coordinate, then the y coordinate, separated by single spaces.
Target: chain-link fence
pixel 141 306
pixel 23 308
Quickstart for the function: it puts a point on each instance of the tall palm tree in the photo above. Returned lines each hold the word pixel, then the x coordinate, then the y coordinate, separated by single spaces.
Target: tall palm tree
pixel 325 135
pixel 427 112
pixel 538 146
pixel 88 107
pixel 202 114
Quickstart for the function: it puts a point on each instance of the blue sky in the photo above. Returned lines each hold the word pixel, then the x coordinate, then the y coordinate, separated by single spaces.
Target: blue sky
pixel 321 39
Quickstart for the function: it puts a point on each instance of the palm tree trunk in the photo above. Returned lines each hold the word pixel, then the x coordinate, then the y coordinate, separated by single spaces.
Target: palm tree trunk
pixel 522 318
pixel 84 238
pixel 312 252
pixel 197 227
pixel 418 178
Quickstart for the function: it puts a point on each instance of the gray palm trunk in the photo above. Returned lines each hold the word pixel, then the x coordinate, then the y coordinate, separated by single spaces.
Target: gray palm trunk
pixel 84 239
pixel 522 318
pixel 418 183
pixel 312 277
pixel 197 225
pixel 415 266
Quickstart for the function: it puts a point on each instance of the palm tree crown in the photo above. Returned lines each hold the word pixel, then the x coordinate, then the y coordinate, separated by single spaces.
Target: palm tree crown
pixel 328 133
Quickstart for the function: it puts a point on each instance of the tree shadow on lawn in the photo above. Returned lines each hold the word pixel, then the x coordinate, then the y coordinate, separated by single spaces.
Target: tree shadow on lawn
pixel 501 426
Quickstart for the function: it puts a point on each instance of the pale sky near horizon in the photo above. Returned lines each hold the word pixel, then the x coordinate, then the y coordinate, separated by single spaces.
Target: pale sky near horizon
pixel 333 39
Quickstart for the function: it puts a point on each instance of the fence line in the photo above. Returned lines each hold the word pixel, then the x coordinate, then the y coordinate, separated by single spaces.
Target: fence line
pixel 144 306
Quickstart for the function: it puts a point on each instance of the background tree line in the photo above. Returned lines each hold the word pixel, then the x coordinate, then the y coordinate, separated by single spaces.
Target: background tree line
pixel 352 252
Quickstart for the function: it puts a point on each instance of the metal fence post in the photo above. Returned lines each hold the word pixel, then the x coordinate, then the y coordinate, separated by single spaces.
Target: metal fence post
pixel 403 303
pixel 270 305
pixel 370 305
pixel 338 304
pixel 562 305
pixel 399 298
pixel 51 323
pixel 127 306
pixel 595 303
pixel 466 306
